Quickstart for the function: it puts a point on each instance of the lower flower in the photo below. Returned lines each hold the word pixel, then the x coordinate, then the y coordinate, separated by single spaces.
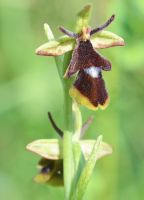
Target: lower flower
pixel 50 172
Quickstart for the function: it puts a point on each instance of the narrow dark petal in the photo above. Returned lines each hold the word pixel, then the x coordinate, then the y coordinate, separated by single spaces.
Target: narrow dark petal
pixel 86 125
pixel 103 26
pixel 67 32
pixel 58 130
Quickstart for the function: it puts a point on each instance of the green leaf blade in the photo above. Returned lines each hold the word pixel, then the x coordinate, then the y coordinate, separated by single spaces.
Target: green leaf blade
pixel 87 172
pixel 79 163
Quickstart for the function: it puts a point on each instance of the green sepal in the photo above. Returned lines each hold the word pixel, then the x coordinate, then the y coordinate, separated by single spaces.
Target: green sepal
pixel 56 47
pixel 100 40
pixel 46 148
pixel 87 147
pixel 106 39
pixel 83 18
pixel 52 148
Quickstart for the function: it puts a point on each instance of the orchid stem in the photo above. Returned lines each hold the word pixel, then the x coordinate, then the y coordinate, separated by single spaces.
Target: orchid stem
pixel 68 161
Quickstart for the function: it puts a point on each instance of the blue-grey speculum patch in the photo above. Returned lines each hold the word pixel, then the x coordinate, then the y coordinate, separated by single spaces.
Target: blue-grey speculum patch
pixel 93 71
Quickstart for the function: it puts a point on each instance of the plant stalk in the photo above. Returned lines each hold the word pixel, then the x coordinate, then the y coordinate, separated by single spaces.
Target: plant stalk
pixel 68 161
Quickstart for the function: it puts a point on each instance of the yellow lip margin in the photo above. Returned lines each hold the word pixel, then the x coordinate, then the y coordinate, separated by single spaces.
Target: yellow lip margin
pixel 83 100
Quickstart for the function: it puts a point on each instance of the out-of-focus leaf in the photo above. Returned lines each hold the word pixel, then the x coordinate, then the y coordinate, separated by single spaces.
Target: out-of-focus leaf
pixel 46 148
pixel 56 48
pixel 106 39
pixel 132 58
pixel 87 147
pixel 83 18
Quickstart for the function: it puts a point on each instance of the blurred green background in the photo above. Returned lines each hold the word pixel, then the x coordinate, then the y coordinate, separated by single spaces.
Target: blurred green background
pixel 30 86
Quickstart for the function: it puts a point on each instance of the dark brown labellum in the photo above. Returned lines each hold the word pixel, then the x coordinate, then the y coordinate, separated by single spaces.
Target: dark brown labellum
pixel 89 89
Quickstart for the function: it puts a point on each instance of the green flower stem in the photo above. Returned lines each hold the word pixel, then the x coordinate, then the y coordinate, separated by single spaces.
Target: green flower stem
pixel 68 163
pixel 62 63
pixel 67 99
pixel 77 121
pixel 67 110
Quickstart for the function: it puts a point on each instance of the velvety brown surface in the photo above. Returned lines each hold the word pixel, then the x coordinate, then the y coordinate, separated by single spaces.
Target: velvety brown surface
pixel 93 88
pixel 84 56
